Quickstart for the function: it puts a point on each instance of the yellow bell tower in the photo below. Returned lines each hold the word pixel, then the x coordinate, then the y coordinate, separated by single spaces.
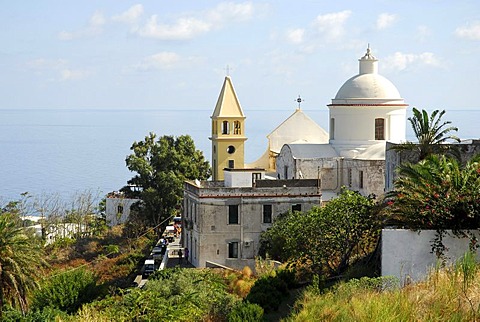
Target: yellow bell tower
pixel 228 132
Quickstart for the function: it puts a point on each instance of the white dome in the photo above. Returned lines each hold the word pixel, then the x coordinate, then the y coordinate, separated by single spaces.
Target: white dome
pixel 368 86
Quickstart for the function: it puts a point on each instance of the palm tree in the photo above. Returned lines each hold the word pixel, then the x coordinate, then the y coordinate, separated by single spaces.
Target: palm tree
pixel 437 193
pixel 20 259
pixel 431 134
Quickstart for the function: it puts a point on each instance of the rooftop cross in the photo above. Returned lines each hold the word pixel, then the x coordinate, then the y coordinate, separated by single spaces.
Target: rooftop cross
pixel 299 100
pixel 227 69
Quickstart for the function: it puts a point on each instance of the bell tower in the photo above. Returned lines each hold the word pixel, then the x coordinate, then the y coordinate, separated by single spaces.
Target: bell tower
pixel 228 132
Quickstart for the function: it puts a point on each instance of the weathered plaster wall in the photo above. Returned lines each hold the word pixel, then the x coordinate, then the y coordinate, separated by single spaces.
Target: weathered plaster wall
pixel 406 254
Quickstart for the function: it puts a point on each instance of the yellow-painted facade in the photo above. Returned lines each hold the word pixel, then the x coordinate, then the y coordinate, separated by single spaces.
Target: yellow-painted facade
pixel 228 132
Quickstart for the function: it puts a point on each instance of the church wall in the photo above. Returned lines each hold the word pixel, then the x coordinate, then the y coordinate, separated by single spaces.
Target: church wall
pixel 358 123
pixel 373 176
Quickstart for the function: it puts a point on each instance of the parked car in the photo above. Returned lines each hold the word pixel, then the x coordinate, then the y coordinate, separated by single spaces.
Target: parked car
pixel 158 252
pixel 149 268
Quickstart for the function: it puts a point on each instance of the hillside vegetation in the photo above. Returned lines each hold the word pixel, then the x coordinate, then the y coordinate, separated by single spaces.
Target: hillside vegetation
pixel 450 294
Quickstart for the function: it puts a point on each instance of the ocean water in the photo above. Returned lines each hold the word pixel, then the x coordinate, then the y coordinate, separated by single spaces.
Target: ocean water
pixel 67 151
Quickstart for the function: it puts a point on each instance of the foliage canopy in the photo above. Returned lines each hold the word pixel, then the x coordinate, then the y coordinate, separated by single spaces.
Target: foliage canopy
pixel 326 239
pixel 161 166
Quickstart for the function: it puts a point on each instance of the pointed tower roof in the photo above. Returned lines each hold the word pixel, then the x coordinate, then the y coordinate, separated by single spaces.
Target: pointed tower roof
pixel 228 104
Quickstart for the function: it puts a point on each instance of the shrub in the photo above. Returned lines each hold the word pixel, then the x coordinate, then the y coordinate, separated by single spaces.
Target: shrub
pixel 246 312
pixel 268 292
pixel 67 291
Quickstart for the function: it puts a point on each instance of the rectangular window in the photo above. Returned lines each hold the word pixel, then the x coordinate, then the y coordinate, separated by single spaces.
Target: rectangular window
pixel 332 129
pixel 379 129
pixel 360 179
pixel 297 207
pixel 120 209
pixel 285 172
pixel 233 250
pixel 233 215
pixel 231 164
pixel 267 214
pixel 256 176
pixel 349 178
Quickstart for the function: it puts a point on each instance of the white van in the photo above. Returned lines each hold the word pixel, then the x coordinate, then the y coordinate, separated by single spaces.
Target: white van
pixel 149 268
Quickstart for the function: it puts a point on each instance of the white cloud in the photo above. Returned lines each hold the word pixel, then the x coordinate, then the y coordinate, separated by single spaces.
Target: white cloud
pixel 183 28
pixel 385 20
pixel 45 64
pixel 402 61
pixel 331 25
pixel 163 60
pixel 423 32
pixel 71 74
pixel 295 36
pixel 189 26
pixel 131 15
pixel 94 27
pixel 469 31
pixel 58 69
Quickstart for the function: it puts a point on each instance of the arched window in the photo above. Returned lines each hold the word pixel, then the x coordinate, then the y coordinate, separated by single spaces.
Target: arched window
pixel 225 127
pixel 379 129
pixel 237 129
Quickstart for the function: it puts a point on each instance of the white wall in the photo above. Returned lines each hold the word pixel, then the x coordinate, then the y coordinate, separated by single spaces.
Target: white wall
pixel 113 217
pixel 407 255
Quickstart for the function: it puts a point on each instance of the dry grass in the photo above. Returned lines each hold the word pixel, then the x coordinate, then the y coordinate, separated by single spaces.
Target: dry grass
pixel 452 294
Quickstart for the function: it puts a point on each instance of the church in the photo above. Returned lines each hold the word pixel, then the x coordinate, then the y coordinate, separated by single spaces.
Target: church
pixel 302 167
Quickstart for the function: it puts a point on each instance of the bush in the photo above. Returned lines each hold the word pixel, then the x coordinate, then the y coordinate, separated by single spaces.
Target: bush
pixel 67 291
pixel 268 292
pixel 246 312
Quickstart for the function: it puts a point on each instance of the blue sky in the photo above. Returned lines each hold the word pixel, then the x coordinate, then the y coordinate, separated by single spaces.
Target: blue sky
pixel 174 54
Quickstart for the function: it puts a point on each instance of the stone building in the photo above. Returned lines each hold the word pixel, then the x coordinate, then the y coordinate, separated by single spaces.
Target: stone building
pixel 223 220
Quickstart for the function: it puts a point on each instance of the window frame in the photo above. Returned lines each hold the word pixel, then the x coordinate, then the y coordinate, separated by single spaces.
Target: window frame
pixel 233 212
pixel 267 213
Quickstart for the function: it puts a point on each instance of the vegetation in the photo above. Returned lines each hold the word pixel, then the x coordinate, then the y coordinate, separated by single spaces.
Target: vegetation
pixel 67 291
pixel 21 258
pixel 438 193
pixel 431 134
pixel 161 166
pixel 325 240
pixel 447 295
pixel 170 295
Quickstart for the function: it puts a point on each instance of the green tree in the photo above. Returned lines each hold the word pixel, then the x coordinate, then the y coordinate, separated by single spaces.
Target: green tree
pixel 431 133
pixel 20 258
pixel 328 238
pixel 161 166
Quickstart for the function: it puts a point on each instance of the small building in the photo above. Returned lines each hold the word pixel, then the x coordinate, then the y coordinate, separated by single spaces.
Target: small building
pixel 118 208
pixel 224 219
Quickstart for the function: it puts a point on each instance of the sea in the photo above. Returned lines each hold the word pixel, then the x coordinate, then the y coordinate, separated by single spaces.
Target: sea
pixel 70 151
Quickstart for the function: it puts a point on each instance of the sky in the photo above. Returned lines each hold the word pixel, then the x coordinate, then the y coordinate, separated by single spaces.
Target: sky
pixel 111 54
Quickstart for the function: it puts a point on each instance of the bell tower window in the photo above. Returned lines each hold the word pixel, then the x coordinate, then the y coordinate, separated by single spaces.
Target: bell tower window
pixel 237 127
pixel 225 127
